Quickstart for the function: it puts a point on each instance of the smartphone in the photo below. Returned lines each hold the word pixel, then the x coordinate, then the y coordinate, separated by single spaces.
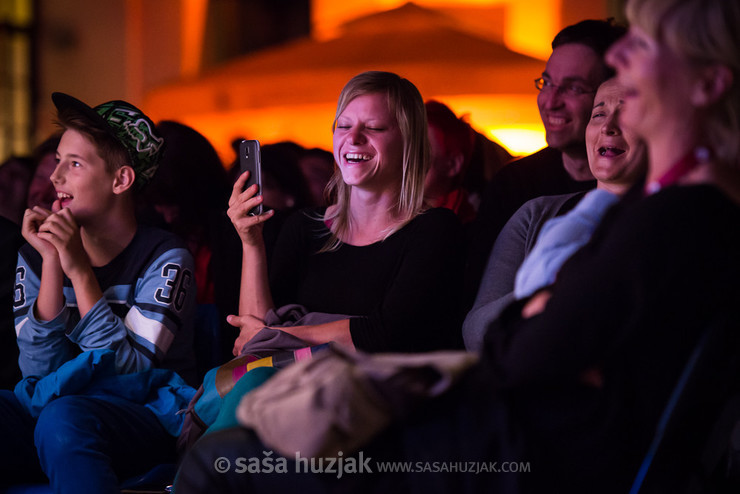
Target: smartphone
pixel 250 161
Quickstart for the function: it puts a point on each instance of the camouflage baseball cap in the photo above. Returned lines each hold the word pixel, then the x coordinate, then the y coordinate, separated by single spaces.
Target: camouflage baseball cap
pixel 127 125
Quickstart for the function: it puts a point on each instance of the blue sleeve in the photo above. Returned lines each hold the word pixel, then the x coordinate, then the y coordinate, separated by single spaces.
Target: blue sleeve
pixel 43 345
pixel 164 299
pixel 559 239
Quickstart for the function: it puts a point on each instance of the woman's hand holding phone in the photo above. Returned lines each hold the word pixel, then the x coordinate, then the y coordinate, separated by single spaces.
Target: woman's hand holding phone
pixel 241 203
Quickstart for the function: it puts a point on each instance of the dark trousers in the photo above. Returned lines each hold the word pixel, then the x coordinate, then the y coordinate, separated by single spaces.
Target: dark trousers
pixel 83 444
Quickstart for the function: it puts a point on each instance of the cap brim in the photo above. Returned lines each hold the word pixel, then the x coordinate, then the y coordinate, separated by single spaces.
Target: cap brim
pixel 66 102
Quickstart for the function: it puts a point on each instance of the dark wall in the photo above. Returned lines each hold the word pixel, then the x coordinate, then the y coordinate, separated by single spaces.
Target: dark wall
pixel 237 27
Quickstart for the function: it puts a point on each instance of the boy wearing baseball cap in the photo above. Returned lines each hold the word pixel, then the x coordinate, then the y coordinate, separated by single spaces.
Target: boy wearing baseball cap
pixel 103 314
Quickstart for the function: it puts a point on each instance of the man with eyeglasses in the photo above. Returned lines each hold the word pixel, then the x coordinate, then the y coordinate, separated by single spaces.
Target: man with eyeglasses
pixel 567 87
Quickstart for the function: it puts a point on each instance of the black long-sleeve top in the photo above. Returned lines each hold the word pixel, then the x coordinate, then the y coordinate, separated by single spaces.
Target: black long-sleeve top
pixel 405 290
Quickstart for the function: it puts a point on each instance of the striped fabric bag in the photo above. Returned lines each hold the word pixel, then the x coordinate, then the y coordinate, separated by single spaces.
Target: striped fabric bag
pixel 249 370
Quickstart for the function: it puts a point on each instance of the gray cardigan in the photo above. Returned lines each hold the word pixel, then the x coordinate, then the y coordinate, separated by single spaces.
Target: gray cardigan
pixel 515 241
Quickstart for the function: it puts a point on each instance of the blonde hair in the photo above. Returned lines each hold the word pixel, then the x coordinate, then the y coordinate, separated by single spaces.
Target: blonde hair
pixel 705 32
pixel 405 101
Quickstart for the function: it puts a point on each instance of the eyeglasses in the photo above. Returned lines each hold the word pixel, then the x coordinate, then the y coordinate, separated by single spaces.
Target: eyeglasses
pixel 569 89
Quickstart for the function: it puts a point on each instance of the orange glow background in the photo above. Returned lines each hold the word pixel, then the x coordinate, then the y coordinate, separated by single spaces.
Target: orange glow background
pixel 270 97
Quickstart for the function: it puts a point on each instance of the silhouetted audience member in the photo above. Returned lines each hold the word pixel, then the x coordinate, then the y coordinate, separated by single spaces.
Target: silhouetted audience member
pixel 41 191
pixel 451 140
pixel 188 196
pixel 488 158
pixel 317 166
pixel 15 177
pixel 567 87
pixel 189 192
pixel 284 186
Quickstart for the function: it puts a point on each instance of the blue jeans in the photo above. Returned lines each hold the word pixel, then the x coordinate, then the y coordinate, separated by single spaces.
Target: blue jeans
pixel 82 443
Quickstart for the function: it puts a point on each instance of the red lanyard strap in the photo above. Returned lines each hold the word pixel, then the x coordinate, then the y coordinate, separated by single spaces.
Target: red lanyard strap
pixel 678 170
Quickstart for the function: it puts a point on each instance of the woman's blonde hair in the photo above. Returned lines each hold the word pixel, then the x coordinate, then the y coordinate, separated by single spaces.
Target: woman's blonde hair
pixel 705 32
pixel 406 103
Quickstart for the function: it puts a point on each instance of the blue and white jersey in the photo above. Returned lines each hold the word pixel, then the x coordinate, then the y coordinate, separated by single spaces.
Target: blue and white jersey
pixel 145 316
